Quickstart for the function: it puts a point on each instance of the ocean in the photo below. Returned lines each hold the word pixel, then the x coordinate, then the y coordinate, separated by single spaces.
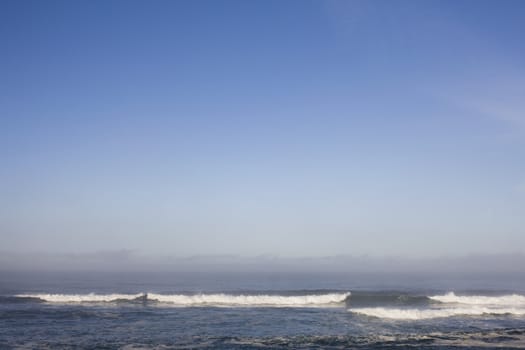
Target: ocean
pixel 260 310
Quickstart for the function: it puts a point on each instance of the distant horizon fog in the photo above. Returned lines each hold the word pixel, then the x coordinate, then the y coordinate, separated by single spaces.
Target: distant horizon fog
pixel 135 274
pixel 132 261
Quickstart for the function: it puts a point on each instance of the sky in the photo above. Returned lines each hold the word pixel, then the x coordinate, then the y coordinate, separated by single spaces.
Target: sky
pixel 262 128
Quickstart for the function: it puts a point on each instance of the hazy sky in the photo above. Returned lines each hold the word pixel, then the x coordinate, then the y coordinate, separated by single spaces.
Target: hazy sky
pixel 293 128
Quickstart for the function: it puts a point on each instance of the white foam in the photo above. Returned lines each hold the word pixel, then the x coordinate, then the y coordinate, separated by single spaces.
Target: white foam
pixel 80 298
pixel 251 300
pixel 204 299
pixel 422 314
pixel 504 300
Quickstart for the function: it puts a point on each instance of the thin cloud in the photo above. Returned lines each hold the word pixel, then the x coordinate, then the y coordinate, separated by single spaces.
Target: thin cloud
pixel 499 99
pixel 505 109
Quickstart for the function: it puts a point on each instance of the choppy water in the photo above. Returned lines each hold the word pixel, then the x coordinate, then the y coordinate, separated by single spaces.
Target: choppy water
pixel 259 311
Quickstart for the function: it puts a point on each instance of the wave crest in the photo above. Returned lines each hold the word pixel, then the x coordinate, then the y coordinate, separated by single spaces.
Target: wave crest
pixel 422 314
pixel 81 298
pixel 512 299
pixel 451 305
pixel 251 300
pixel 202 299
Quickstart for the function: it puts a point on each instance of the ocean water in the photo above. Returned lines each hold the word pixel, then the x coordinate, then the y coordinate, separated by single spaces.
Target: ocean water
pixel 260 311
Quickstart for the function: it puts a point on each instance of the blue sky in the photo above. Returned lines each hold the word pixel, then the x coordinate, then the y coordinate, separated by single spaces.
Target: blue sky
pixel 292 128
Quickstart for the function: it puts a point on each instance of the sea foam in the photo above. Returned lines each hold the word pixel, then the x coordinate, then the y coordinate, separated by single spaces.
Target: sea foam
pixel 219 299
pixel 422 314
pixel 81 298
pixel 511 299
pixel 453 305
pixel 251 300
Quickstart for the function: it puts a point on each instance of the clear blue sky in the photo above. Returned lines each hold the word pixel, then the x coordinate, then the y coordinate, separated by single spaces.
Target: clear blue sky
pixel 295 128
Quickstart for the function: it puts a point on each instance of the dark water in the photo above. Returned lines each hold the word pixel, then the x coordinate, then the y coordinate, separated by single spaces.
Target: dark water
pixel 259 311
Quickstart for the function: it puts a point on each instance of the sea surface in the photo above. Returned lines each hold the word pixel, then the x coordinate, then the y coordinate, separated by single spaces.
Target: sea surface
pixel 262 310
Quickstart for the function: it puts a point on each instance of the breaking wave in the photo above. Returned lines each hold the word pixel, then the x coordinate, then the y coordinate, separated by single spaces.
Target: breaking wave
pixel 422 314
pixel 81 298
pixel 201 299
pixel 252 300
pixel 449 305
pixel 513 299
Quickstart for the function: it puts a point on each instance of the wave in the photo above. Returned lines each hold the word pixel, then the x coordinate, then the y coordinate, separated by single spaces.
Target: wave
pixel 201 299
pixel 422 314
pixel 394 299
pixel 81 298
pixel 446 305
pixel 512 299
pixel 252 300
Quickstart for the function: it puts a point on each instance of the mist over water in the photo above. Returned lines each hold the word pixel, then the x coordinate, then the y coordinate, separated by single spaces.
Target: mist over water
pixel 272 279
